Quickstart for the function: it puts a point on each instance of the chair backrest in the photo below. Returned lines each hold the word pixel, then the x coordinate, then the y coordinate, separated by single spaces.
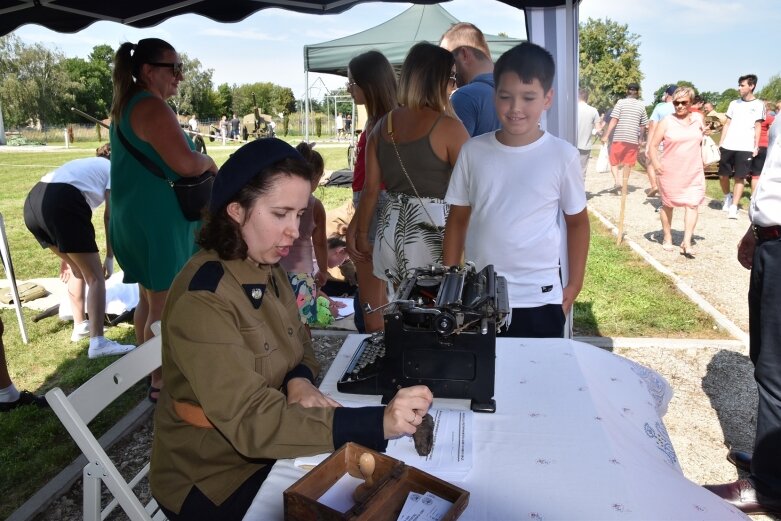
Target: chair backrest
pixel 76 410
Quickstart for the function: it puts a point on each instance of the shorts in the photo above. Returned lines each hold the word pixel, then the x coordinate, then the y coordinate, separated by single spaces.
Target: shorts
pixel 622 153
pixel 58 215
pixel 758 161
pixel 371 233
pixel 305 291
pixel 734 163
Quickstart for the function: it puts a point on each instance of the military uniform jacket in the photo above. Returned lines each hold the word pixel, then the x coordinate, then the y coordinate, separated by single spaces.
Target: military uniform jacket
pixel 231 340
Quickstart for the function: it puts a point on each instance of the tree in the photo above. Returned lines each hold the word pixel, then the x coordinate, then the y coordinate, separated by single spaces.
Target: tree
pixel 726 97
pixel 609 60
pixel 194 91
pixel 92 81
pixel 34 84
pixel 771 91
pixel 224 100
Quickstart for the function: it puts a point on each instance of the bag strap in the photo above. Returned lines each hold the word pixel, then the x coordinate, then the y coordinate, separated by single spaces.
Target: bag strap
pixel 390 133
pixel 141 158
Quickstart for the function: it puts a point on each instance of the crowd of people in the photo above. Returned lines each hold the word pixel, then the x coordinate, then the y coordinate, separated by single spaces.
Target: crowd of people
pixel 452 163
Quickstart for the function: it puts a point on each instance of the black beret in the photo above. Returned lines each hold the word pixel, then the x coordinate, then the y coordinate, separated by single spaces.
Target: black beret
pixel 244 164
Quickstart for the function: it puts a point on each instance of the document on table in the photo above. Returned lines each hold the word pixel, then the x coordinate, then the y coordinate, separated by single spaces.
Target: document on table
pixel 347 310
pixel 452 453
pixel 451 456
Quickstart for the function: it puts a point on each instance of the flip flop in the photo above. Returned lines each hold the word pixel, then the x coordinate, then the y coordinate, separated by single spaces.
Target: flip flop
pixel 687 252
pixel 153 390
pixel 668 246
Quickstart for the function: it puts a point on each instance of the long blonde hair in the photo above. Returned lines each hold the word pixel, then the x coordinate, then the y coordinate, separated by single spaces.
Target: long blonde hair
pixel 424 78
pixel 127 70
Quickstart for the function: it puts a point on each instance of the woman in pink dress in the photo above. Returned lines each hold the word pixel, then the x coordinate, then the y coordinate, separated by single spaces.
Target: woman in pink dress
pixel 679 171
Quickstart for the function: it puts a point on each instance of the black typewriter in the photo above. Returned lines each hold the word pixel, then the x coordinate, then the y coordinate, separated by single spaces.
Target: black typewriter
pixel 440 331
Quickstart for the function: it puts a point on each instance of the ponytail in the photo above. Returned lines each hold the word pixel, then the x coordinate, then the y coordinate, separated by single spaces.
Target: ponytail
pixel 127 70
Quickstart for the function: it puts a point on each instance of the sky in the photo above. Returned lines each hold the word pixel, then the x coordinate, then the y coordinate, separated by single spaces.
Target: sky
pixel 707 42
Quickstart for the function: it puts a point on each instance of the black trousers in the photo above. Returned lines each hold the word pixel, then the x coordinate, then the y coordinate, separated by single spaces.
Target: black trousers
pixel 541 322
pixel 197 507
pixel 764 302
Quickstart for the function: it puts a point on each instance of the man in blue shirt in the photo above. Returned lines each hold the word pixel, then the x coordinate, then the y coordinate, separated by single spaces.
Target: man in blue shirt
pixel 474 99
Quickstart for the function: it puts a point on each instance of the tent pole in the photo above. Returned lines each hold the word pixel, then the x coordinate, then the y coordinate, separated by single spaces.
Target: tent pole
pixel 306 110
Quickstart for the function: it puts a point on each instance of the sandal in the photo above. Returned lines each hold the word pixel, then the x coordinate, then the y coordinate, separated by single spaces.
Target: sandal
pixel 687 252
pixel 668 246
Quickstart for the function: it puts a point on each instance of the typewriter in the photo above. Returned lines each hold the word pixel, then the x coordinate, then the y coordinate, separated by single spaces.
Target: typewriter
pixel 440 331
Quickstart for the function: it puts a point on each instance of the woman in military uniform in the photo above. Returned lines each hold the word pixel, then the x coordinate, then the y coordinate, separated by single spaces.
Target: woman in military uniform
pixel 238 366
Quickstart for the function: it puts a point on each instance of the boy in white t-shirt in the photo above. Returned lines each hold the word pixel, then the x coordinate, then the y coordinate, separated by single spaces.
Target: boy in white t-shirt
pixel 506 192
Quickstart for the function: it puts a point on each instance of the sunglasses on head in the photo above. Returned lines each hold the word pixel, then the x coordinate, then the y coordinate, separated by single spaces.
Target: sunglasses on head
pixel 175 67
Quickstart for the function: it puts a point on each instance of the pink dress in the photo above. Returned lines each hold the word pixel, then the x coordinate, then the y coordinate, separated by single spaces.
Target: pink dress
pixel 682 182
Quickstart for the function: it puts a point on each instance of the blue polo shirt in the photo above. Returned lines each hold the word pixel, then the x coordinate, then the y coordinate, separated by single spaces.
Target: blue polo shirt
pixel 474 105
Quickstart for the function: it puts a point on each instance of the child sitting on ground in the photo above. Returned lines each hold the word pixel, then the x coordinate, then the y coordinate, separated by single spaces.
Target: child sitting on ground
pixel 506 192
pixel 299 263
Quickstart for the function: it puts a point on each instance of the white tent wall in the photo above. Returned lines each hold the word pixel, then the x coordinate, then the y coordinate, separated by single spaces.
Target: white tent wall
pixel 556 29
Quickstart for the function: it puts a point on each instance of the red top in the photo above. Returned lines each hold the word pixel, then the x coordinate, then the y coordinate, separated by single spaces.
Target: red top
pixel 765 125
pixel 359 168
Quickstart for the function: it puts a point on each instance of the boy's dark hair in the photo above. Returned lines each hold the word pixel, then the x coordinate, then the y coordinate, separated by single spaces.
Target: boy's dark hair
pixel 751 79
pixel 335 242
pixel 529 61
pixel 313 157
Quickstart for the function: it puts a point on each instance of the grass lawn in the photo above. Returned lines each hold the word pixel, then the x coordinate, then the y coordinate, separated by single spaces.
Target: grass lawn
pixel 623 296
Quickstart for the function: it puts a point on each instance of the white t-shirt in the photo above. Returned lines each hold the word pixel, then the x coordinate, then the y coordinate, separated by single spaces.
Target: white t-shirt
pixel 588 118
pixel 515 194
pixel 89 175
pixel 743 115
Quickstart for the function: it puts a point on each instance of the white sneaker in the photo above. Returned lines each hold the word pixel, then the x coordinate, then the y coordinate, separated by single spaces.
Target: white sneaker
pixel 80 331
pixel 725 206
pixel 108 348
pixel 733 212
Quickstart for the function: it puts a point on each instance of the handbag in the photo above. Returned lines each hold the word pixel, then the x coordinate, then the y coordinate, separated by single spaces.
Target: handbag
pixel 710 151
pixel 192 193
pixel 603 163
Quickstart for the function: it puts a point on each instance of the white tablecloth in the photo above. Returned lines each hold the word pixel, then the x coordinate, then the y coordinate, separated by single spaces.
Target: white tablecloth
pixel 577 434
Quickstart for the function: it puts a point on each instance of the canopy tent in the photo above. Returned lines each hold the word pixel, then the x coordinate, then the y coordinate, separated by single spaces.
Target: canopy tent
pixel 393 39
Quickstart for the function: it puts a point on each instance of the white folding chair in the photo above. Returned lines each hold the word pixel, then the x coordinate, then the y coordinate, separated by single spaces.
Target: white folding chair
pixel 80 407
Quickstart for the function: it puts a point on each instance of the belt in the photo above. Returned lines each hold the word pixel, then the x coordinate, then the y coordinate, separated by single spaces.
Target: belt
pixel 192 414
pixel 766 233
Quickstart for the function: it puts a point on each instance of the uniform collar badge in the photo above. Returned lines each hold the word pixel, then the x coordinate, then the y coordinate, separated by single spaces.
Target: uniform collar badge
pixel 255 293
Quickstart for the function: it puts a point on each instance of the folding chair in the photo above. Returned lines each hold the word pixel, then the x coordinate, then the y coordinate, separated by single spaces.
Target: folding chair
pixel 76 410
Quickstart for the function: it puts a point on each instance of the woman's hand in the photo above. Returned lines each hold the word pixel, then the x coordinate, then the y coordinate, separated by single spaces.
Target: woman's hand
pixel 406 411
pixel 334 307
pixel 304 393
pixel 350 239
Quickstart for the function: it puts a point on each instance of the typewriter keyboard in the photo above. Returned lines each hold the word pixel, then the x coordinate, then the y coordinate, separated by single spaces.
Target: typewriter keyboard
pixel 365 360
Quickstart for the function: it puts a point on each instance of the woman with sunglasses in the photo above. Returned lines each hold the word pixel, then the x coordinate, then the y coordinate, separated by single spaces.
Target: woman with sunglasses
pixel 679 171
pixel 151 238
pixel 412 151
pixel 372 83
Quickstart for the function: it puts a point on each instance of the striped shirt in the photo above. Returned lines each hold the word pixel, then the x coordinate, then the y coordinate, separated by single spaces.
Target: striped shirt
pixel 630 113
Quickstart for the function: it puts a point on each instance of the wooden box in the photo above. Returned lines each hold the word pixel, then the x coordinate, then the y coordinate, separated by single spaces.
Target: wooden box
pixel 393 480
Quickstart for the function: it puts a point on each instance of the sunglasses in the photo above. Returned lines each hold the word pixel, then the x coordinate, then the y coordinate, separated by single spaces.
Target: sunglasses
pixel 680 103
pixel 177 68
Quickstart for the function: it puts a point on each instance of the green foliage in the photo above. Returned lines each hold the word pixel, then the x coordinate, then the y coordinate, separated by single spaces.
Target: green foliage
pixel 224 100
pixel 285 124
pixel 34 84
pixel 726 97
pixel 194 96
pixel 92 82
pixel 772 90
pixel 609 60
pixel 319 126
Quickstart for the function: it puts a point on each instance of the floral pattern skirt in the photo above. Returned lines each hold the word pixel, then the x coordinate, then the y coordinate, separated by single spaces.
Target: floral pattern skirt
pixel 304 290
pixel 409 235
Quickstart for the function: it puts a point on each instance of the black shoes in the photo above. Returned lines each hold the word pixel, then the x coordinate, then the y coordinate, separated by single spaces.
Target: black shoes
pixel 742 460
pixel 742 495
pixel 25 398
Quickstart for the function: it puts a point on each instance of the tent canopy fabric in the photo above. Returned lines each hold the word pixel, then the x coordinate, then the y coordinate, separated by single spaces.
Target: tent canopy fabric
pixel 393 39
pixel 70 16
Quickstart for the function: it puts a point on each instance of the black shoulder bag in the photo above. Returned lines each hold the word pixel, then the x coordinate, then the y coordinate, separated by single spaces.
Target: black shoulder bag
pixel 193 193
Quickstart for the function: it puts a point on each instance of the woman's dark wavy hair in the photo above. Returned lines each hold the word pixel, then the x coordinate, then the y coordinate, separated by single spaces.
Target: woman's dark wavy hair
pixel 221 233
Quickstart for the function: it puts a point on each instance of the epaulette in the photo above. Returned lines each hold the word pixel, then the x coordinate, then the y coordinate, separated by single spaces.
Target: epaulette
pixel 207 278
